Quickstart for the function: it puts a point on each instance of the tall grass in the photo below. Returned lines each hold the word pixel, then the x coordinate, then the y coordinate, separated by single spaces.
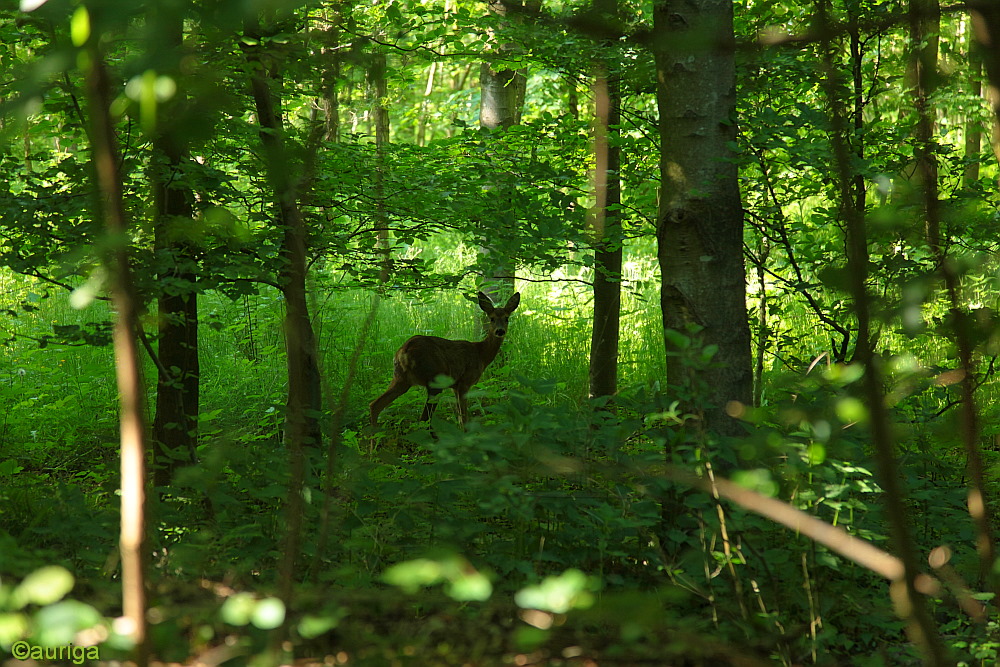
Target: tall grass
pixel 61 394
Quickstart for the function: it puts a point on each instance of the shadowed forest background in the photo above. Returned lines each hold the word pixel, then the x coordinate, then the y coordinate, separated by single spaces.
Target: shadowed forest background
pixel 745 412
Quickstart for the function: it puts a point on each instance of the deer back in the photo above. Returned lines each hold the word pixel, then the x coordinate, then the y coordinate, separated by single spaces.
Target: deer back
pixel 423 358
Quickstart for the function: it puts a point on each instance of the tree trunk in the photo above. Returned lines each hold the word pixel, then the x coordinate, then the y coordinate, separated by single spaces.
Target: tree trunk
pixel 501 101
pixel 502 96
pixel 986 25
pixel 111 207
pixel 763 331
pixel 175 426
pixel 380 113
pixel 330 99
pixel 700 219
pixel 421 137
pixel 304 396
pixel 502 91
pixel 973 128
pixel 572 98
pixel 910 605
pixel 606 223
pixel 925 25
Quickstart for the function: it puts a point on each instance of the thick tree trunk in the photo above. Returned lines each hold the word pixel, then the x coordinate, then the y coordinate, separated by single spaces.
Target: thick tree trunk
pixel 986 24
pixel 502 91
pixel 175 426
pixel 607 236
pixel 700 221
pixel 501 96
pixel 501 101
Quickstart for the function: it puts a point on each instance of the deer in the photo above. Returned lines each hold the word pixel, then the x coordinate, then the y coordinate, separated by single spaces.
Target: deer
pixel 421 359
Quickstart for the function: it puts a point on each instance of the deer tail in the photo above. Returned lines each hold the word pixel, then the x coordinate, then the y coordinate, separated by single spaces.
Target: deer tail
pixel 403 362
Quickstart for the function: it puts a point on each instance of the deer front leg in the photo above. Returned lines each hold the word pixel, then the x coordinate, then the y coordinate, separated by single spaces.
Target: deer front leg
pixel 397 388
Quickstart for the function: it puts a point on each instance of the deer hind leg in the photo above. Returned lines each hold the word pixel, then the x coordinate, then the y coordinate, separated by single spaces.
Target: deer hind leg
pixel 430 405
pixel 397 388
pixel 463 406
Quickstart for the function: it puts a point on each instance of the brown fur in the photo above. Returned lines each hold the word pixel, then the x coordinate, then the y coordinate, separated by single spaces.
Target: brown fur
pixel 422 359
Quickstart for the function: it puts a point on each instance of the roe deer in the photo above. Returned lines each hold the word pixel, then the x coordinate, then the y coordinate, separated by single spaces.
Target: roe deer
pixel 423 358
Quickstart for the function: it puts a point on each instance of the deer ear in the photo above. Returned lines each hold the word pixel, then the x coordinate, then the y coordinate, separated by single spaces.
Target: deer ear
pixel 513 302
pixel 486 303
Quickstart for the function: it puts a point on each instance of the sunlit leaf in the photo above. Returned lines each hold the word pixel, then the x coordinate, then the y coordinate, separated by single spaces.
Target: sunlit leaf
pixel 79 26
pixel 58 624
pixel 238 609
pixel 268 613
pixel 558 594
pixel 43 586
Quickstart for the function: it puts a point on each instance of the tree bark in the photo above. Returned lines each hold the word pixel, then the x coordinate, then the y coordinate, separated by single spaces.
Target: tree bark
pixel 111 207
pixel 304 400
pixel 330 98
pixel 606 224
pixel 304 396
pixel 501 97
pixel 501 101
pixel 910 604
pixel 973 128
pixel 502 91
pixel 925 24
pixel 175 425
pixel 380 113
pixel 700 219
pixel 986 23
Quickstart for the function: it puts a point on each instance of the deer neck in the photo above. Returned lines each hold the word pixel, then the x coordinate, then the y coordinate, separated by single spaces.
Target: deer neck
pixel 488 348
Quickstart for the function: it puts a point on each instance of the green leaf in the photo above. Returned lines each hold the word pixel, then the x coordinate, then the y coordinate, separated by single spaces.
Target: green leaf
pixel 313 626
pixel 268 614
pixel 470 587
pixel 558 594
pixel 463 581
pixel 43 586
pixel 677 339
pixel 58 624
pixel 238 609
pixel 79 26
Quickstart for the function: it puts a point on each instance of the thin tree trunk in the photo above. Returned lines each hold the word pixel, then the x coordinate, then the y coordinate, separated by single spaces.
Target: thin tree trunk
pixel 303 383
pixel 763 331
pixel 572 97
pixel 925 20
pixel 304 396
pixel 131 394
pixel 330 101
pixel 909 603
pixel 425 103
pixel 973 129
pixel 606 223
pixel 700 220
pixel 380 112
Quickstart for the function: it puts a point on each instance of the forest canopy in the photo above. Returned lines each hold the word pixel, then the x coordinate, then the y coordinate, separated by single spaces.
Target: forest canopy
pixel 711 284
